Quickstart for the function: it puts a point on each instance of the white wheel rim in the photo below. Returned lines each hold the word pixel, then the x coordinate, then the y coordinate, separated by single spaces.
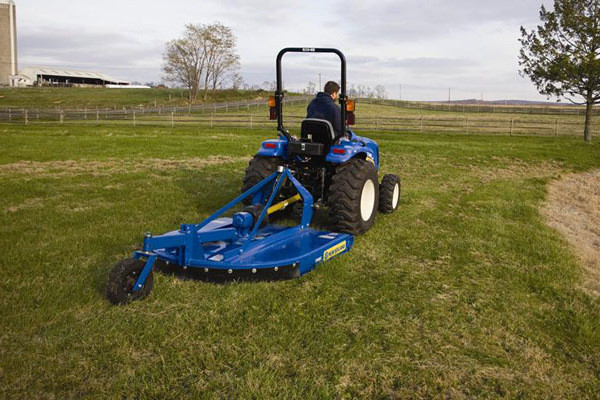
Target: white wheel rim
pixel 395 196
pixel 367 200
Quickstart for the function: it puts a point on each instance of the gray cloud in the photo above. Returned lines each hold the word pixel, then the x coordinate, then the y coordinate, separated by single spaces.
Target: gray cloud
pixel 408 20
pixel 71 48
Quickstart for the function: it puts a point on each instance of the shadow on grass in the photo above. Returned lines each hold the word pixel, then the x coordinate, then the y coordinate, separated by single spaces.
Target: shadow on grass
pixel 223 277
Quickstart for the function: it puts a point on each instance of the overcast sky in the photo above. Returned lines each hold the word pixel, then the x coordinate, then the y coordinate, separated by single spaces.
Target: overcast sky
pixel 427 46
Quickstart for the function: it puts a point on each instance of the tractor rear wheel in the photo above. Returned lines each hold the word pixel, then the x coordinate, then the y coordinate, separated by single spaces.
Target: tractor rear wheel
pixel 389 193
pixel 258 169
pixel 119 288
pixel 354 196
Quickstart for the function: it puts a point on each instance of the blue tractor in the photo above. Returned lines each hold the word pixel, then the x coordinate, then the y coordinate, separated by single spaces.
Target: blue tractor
pixel 340 171
pixel 287 176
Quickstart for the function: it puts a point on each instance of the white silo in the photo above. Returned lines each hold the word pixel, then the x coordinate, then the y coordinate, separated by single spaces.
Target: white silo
pixel 8 40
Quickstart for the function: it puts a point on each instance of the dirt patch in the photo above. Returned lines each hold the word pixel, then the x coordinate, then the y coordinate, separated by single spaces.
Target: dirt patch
pixel 573 208
pixel 28 203
pixel 110 166
pixel 518 169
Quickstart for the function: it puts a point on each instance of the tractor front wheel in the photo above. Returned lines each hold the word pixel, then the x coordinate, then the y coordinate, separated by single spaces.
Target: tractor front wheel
pixel 122 278
pixel 389 193
pixel 354 196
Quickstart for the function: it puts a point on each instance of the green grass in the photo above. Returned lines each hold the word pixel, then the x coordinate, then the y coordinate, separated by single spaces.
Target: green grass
pixel 110 98
pixel 464 292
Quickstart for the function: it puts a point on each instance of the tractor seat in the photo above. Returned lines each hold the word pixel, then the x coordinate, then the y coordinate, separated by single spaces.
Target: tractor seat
pixel 316 137
pixel 316 130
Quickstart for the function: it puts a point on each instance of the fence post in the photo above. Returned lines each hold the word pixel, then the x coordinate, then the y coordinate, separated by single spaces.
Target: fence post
pixel 190 109
pixel 85 113
pixel 512 126
pixel 377 123
pixel 421 125
pixel 62 117
pixel 134 118
pixel 466 123
pixel 97 116
pixel 251 121
pixel 556 128
pixel 26 118
pixel 172 118
pixel 10 114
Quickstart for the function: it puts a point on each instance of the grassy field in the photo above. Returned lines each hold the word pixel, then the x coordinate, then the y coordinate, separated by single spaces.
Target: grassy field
pixel 111 98
pixel 464 292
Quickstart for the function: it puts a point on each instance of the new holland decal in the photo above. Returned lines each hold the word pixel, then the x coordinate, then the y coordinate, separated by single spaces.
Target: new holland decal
pixel 334 251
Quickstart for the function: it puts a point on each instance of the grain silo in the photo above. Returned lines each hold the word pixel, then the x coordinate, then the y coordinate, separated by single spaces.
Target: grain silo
pixel 8 41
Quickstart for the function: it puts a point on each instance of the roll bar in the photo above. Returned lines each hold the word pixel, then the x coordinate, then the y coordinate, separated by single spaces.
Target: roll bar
pixel 279 90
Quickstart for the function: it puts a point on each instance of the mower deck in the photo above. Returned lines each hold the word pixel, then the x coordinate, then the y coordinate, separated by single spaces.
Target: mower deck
pixel 273 247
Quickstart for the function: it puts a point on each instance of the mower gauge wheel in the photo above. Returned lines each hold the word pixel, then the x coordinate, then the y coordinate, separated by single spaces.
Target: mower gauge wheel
pixel 119 287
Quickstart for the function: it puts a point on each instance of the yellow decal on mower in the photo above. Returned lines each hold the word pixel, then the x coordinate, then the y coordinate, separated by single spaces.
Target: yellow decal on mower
pixel 334 251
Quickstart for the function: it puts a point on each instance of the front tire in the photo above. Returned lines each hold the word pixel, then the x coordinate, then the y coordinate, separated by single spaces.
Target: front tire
pixel 353 197
pixel 389 193
pixel 119 287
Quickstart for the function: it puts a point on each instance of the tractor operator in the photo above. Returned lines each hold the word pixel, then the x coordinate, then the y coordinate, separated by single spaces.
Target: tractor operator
pixel 323 106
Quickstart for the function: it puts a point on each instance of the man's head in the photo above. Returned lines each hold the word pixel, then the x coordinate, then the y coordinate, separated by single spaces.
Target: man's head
pixel 332 89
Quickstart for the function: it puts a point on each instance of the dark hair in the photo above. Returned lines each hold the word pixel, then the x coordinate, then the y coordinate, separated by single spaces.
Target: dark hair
pixel 331 87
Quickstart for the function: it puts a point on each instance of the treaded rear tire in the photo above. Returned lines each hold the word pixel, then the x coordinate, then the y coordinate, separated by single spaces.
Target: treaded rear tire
pixel 345 192
pixel 386 193
pixel 121 280
pixel 258 169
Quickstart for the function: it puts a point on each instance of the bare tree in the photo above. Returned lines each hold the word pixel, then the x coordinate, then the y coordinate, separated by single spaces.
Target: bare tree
pixel 221 55
pixel 201 58
pixel 380 92
pixel 184 60
pixel 237 81
pixel 310 88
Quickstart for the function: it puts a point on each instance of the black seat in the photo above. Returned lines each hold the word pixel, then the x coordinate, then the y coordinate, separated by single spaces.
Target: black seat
pixel 314 130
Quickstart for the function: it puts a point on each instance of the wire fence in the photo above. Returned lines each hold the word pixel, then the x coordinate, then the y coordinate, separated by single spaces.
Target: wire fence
pixel 232 115
pixel 104 115
pixel 485 107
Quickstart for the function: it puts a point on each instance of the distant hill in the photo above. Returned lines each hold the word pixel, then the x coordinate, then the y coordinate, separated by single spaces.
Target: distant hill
pixel 504 102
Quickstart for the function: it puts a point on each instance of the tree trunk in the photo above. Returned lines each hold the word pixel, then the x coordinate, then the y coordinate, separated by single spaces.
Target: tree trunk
pixel 587 132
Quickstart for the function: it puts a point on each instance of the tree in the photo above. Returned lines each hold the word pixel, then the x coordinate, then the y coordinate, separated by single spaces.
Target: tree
pixel 202 58
pixel 380 92
pixel 561 56
pixel 237 81
pixel 310 88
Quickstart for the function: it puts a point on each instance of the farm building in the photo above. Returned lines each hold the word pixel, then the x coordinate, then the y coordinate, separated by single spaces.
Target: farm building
pixel 50 76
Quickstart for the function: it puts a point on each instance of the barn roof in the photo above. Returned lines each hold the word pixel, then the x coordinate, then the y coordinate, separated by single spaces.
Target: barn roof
pixel 33 72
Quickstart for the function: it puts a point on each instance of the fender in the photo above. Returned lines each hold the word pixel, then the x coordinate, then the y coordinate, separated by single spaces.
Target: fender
pixel 356 146
pixel 273 148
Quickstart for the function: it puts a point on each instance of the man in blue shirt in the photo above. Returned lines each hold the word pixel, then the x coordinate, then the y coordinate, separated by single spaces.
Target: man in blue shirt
pixel 323 106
